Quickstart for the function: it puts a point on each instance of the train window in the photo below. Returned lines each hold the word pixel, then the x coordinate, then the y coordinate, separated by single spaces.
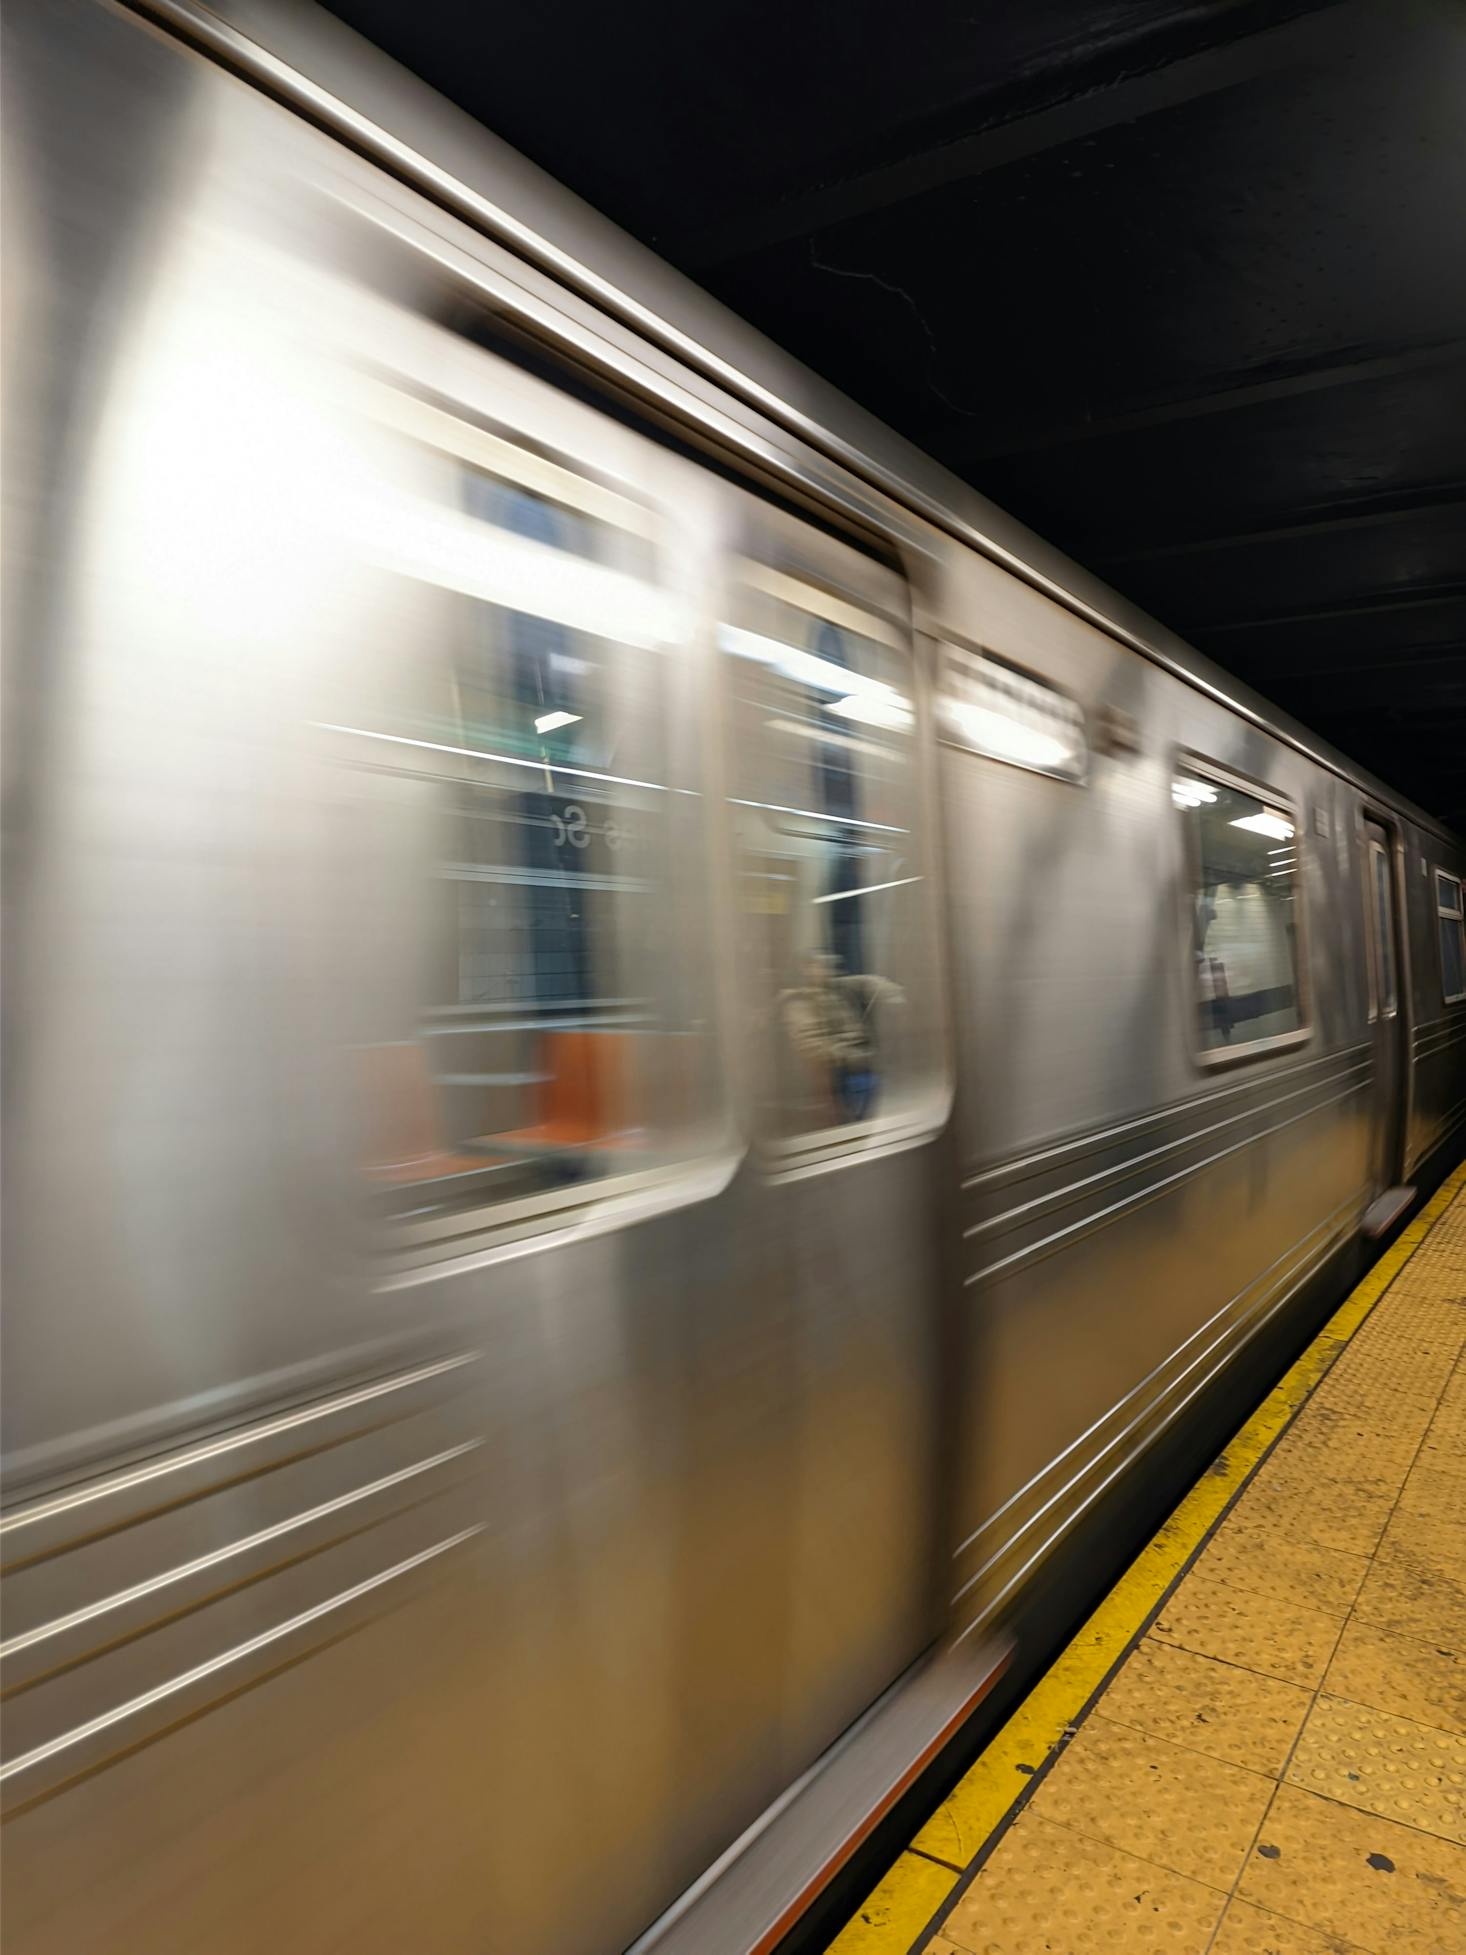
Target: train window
pixel 1245 905
pixel 1453 942
pixel 836 905
pixel 552 1026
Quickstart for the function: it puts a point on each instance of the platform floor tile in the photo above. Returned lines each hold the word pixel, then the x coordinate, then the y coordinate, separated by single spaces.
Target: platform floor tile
pixel 1189 1813
pixel 1270 1558
pixel 1249 1930
pixel 1089 1895
pixel 1435 1490
pixel 1209 1615
pixel 1391 1888
pixel 1218 1709
pixel 1388 1672
pixel 1393 1766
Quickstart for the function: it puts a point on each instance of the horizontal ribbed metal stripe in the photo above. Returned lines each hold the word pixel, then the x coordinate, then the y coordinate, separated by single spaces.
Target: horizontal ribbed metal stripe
pixel 1449 1038
pixel 1425 1025
pixel 1075 1232
pixel 1118 1171
pixel 1256 1086
pixel 54 1524
pixel 1203 1340
pixel 196 1688
pixel 131 1612
pixel 1043 1529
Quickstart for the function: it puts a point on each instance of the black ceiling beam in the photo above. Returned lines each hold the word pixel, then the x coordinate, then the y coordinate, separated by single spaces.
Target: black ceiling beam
pixel 1384 607
pixel 1356 514
pixel 1436 703
pixel 1433 736
pixel 1318 37
pixel 1432 740
pixel 946 441
pixel 1420 663
pixel 1360 634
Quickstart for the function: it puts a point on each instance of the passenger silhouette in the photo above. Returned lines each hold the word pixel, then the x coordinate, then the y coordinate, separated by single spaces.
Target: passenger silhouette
pixel 830 1021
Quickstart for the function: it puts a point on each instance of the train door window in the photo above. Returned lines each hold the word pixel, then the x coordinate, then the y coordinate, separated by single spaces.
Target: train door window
pixel 1453 942
pixel 540 764
pixel 835 899
pixel 1245 899
pixel 1384 933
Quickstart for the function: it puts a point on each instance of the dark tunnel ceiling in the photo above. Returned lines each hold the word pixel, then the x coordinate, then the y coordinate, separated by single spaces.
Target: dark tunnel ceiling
pixel 1181 286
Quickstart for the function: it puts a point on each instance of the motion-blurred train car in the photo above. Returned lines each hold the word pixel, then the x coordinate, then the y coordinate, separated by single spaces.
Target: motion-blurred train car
pixel 647 1053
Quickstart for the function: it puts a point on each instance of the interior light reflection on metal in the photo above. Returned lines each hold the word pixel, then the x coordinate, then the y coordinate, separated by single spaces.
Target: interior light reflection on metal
pixel 500 759
pixel 864 889
pixel 996 710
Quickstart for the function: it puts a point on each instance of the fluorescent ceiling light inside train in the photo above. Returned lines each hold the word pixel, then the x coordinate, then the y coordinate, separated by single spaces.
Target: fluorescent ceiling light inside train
pixel 548 722
pixel 870 701
pixel 881 706
pixel 1267 824
pixel 1191 794
pixel 459 552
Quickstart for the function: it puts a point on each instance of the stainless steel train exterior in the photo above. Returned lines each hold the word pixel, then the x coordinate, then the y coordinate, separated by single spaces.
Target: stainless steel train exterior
pixel 644 1047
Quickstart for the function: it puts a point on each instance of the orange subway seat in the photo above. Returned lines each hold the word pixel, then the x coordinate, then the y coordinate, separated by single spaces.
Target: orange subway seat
pixel 404 1144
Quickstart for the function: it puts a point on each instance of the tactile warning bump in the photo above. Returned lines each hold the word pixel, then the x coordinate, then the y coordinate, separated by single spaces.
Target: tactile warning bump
pixel 1441 1458
pixel 1434 1490
pixel 1328 1512
pixel 1051 1889
pixel 1440 1542
pixel 1256 1632
pixel 1250 1930
pixel 1417 1584
pixel 1270 1559
pixel 1399 1674
pixel 1412 1320
pixel 1192 1814
pixel 1386 1379
pixel 1322 1454
pixel 1384 1764
pixel 1414 1310
pixel 1406 1346
pixel 1367 1393
pixel 1351 1874
pixel 1448 1427
pixel 1430 1286
pixel 1231 1714
pixel 1376 1439
pixel 1419 1334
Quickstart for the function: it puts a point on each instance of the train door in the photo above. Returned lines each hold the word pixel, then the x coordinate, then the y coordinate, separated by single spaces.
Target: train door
pixel 1382 934
pixel 845 1084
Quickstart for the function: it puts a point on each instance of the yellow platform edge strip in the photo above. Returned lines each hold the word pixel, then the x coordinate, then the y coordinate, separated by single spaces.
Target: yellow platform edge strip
pixel 894 1915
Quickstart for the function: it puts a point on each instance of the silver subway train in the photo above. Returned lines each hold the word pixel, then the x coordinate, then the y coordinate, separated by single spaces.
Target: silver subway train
pixel 647 1053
